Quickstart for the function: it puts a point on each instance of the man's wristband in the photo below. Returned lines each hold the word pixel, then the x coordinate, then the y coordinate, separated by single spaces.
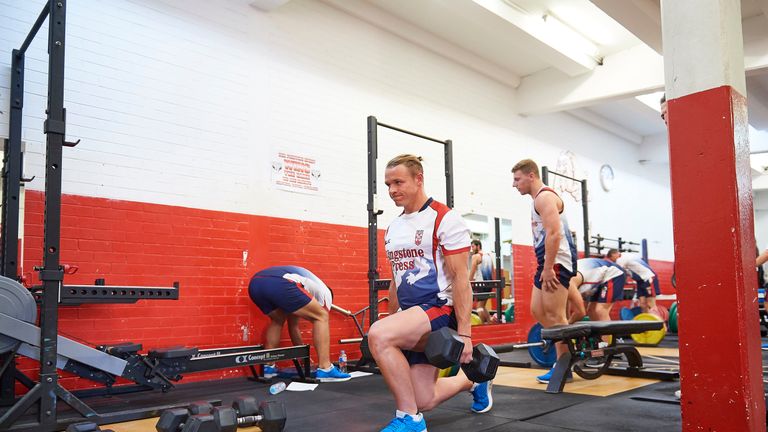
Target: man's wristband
pixel 466 336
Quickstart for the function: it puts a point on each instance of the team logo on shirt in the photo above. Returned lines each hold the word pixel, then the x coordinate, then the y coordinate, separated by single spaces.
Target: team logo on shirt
pixel 419 235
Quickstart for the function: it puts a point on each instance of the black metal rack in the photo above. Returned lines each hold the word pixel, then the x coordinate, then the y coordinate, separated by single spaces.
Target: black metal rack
pixel 47 392
pixel 374 284
pixel 545 172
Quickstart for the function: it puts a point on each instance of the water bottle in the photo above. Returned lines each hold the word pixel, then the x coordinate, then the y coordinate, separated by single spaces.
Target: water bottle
pixel 276 388
pixel 343 362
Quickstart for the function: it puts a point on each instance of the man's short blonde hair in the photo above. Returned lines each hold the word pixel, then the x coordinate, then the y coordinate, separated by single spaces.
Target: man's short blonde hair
pixel 412 162
pixel 527 166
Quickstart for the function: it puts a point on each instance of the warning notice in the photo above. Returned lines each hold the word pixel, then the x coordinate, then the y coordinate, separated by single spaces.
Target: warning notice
pixel 295 173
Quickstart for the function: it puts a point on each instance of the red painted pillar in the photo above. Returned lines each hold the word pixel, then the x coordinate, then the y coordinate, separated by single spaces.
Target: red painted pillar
pixel 720 356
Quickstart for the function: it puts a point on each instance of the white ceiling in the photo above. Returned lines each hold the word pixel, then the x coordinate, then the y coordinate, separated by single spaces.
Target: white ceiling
pixel 589 58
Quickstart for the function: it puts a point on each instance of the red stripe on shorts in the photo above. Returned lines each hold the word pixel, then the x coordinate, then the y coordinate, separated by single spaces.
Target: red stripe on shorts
pixel 436 312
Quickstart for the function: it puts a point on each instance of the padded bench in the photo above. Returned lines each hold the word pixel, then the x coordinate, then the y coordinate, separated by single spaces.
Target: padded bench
pixel 574 336
pixel 599 328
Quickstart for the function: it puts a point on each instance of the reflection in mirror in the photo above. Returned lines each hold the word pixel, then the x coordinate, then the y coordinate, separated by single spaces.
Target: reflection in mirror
pixel 491 269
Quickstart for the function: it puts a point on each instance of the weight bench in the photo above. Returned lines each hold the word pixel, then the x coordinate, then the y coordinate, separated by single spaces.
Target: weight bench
pixel 582 339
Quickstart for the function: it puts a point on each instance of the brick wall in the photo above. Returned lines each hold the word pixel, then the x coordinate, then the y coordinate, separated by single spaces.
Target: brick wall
pixel 212 254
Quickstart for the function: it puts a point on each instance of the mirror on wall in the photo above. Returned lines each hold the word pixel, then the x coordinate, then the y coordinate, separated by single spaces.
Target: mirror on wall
pixel 491 269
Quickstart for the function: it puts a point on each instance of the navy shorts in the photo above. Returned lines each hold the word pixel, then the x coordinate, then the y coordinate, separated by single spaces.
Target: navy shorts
pixel 607 293
pixel 439 317
pixel 643 287
pixel 271 292
pixel 563 275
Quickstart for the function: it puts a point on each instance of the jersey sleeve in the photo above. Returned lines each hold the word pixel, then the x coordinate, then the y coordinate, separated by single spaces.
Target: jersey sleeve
pixel 453 234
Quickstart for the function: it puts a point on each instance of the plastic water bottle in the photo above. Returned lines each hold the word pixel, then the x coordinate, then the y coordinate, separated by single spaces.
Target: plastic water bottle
pixel 277 388
pixel 343 361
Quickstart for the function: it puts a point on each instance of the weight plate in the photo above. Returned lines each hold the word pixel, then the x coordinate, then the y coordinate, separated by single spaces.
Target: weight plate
pixel 543 356
pixel 650 337
pixel 17 302
pixel 673 318
pixel 626 314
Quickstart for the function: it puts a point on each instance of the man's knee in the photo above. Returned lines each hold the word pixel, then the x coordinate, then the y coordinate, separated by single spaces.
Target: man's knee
pixel 314 312
pixel 427 405
pixel 378 337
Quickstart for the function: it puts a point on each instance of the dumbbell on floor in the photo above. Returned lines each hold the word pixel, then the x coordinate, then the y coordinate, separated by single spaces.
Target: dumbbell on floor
pixel 180 420
pixel 270 416
pixel 444 348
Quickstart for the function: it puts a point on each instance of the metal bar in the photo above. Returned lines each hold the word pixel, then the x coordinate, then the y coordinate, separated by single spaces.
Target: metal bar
pixel 12 171
pixel 373 216
pixel 245 358
pixel 448 153
pixel 642 373
pixel 350 340
pixel 545 175
pixel 226 350
pixel 515 364
pixel 20 407
pixel 499 272
pixel 52 275
pixel 585 210
pixel 36 26
pixel 341 310
pixel 79 294
pixel 497 249
pixel 645 249
pixel 505 348
pixel 565 176
pixel 31 334
pixel 498 302
pixel 405 131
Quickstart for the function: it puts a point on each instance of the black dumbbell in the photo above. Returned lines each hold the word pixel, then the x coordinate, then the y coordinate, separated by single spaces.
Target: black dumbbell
pixel 180 420
pixel 270 416
pixel 444 348
pixel 86 427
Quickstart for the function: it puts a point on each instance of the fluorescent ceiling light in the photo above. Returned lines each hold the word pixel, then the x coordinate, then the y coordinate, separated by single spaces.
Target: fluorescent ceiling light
pixel 548 29
pixel 651 100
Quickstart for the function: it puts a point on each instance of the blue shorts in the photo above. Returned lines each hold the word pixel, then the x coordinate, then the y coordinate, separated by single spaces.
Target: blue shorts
pixel 607 292
pixel 439 317
pixel 271 292
pixel 563 275
pixel 643 287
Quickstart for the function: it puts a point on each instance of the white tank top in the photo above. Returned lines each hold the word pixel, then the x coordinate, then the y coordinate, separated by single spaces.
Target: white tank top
pixel 566 251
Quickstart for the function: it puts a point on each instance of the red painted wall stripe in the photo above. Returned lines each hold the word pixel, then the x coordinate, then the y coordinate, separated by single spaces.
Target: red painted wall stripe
pixel 147 244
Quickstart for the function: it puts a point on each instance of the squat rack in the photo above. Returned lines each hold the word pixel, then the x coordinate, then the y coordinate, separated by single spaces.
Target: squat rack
pixel 545 172
pixel 374 283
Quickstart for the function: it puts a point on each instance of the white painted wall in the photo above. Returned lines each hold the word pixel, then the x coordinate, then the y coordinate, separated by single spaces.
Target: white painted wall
pixel 183 102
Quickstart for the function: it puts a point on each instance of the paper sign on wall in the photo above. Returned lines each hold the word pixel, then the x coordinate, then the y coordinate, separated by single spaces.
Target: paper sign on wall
pixel 295 173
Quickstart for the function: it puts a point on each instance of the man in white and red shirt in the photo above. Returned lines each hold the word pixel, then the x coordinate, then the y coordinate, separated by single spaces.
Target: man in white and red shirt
pixel 427 246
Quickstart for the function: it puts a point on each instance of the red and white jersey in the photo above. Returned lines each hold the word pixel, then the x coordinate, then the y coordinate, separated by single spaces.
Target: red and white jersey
pixel 416 246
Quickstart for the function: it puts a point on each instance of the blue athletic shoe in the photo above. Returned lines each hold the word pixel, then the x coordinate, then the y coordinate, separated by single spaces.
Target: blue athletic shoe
pixel 544 379
pixel 333 375
pixel 406 424
pixel 270 371
pixel 483 397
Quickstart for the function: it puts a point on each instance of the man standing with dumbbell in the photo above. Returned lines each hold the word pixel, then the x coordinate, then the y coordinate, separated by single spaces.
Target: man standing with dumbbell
pixel 427 247
pixel 555 251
